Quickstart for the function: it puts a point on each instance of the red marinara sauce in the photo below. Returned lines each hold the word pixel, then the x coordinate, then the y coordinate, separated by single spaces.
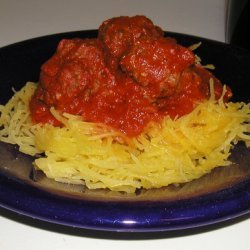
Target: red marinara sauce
pixel 127 77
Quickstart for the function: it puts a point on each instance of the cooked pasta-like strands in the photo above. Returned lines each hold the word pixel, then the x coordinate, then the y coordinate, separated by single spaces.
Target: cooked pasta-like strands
pixel 175 151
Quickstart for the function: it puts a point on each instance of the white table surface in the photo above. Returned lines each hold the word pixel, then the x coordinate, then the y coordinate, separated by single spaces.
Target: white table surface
pixel 24 19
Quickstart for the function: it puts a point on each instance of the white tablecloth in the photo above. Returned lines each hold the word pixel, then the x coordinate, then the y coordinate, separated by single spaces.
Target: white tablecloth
pixel 24 19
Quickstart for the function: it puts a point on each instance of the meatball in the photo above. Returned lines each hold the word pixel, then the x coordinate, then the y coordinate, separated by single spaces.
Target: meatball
pixel 71 76
pixel 119 33
pixel 156 63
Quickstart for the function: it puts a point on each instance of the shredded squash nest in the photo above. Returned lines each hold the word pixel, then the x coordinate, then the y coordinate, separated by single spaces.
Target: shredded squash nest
pixel 176 151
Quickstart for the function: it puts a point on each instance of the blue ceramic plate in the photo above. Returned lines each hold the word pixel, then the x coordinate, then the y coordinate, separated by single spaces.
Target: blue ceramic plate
pixel 222 195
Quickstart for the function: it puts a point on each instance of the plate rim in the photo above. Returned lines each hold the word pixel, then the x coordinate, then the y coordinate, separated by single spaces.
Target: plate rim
pixel 129 216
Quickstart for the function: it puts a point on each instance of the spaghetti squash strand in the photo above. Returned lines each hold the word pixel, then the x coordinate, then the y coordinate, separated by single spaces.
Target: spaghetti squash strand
pixel 98 156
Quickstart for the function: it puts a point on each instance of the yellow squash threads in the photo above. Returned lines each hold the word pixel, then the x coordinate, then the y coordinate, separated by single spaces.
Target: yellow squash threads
pixel 176 151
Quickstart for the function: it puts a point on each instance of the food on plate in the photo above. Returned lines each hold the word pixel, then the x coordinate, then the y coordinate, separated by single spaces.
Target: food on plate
pixel 129 109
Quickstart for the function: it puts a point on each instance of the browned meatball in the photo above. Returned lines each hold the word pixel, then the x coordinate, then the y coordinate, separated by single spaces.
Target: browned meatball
pixel 157 63
pixel 73 74
pixel 119 33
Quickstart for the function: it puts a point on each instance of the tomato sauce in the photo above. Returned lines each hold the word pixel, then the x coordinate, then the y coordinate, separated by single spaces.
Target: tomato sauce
pixel 127 77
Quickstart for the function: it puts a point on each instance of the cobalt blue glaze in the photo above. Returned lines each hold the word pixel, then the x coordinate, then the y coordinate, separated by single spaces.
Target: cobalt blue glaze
pixel 119 216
